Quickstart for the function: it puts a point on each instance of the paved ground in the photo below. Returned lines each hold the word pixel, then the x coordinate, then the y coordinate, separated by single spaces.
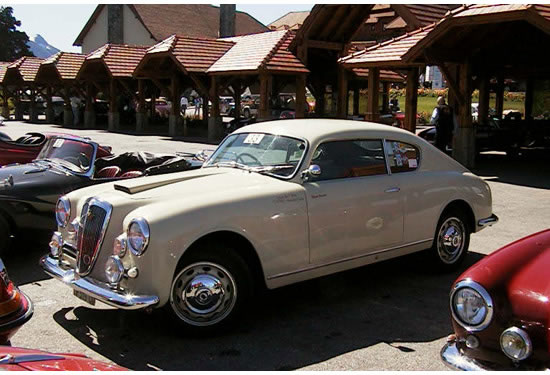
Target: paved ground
pixel 389 316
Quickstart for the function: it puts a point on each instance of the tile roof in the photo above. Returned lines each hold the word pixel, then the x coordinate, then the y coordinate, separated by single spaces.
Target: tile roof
pixel 192 20
pixel 121 59
pixel 3 69
pixel 27 67
pixel 427 14
pixel 259 51
pixel 389 51
pixel 67 64
pixel 291 21
pixel 194 54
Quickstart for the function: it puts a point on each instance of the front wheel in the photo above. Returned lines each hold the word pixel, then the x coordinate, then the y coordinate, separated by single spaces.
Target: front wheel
pixel 210 289
pixel 451 242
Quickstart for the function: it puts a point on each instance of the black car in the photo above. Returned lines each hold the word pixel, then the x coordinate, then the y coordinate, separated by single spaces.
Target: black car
pixel 29 192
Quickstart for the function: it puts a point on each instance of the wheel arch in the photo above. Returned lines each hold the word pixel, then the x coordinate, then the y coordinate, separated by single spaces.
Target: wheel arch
pixel 240 244
pixel 463 206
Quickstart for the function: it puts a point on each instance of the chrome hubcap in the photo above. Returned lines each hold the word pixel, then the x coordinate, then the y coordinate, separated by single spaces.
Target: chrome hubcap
pixel 450 240
pixel 203 294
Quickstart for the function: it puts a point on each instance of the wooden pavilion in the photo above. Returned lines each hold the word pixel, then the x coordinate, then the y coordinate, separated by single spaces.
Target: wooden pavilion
pixel 5 94
pixel 19 79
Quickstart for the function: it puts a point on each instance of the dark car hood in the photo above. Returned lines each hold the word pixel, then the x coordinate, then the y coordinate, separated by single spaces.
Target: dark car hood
pixel 517 275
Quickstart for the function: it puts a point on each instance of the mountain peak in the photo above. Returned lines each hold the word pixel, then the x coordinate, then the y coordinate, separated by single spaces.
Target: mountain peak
pixel 40 47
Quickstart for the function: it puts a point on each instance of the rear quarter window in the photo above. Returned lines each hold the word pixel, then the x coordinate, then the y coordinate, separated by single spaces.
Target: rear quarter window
pixel 402 157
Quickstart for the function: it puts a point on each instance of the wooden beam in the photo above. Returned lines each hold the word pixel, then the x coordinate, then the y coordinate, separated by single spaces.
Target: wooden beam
pixel 128 89
pixel 529 91
pixel 483 106
pixel 201 87
pixel 453 85
pixel 301 102
pixel 374 88
pixel 411 100
pixel 464 137
pixel 263 112
pixel 499 105
pixel 342 105
pixel 162 87
pixel 385 97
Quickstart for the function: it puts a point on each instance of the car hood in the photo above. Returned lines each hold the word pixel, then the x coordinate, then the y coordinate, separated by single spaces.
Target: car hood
pixel 517 275
pixel 24 176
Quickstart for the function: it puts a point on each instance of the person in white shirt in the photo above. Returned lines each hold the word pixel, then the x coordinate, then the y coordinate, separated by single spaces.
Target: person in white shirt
pixel 184 103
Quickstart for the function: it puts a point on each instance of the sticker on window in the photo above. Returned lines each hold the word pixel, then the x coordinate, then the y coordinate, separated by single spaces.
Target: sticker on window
pixel 58 143
pixel 412 163
pixel 253 139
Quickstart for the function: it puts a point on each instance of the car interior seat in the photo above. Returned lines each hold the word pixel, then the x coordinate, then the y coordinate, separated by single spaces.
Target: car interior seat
pixel 108 172
pixel 131 174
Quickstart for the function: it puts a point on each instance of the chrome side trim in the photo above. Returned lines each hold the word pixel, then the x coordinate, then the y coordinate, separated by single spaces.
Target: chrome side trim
pixel 469 283
pixel 95 289
pixel 312 267
pixel 487 222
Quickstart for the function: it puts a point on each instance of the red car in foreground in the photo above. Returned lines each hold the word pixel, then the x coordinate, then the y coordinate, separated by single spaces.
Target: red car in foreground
pixel 501 311
pixel 22 150
pixel 15 310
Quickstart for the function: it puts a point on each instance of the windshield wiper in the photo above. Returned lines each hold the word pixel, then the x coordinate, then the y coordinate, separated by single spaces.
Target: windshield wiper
pixel 230 164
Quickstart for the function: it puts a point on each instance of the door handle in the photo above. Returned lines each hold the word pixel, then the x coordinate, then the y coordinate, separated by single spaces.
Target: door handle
pixel 392 190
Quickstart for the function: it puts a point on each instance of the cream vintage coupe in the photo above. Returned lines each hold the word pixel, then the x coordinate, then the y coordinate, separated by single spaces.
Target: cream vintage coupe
pixel 275 204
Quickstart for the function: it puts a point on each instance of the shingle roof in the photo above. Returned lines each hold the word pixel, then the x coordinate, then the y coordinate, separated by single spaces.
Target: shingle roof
pixel 121 59
pixel 428 13
pixel 192 20
pixel 389 51
pixel 27 67
pixel 67 64
pixel 284 60
pixel 291 20
pixel 3 69
pixel 194 54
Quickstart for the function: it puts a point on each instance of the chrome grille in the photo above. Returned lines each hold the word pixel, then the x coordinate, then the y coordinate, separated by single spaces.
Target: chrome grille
pixel 96 218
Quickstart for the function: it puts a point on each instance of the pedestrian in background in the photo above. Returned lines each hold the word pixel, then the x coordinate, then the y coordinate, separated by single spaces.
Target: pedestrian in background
pixel 197 107
pixel 444 121
pixel 184 103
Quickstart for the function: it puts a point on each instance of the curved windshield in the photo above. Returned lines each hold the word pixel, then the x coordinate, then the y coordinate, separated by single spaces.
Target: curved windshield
pixel 259 152
pixel 71 154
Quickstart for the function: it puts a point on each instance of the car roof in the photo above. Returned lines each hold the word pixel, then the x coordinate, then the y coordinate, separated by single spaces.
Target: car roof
pixel 314 129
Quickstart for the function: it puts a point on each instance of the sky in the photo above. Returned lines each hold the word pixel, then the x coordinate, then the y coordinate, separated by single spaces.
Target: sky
pixel 60 24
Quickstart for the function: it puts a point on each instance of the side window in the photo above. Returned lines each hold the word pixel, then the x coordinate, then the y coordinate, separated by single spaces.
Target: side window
pixel 345 159
pixel 402 157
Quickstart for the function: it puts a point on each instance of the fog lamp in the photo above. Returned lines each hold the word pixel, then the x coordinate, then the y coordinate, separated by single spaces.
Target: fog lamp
pixel 516 344
pixel 114 270
pixel 72 231
pixel 120 246
pixel 472 342
pixel 56 243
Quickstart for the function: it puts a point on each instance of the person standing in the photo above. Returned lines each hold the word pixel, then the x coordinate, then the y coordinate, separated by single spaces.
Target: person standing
pixel 444 122
pixel 197 107
pixel 184 103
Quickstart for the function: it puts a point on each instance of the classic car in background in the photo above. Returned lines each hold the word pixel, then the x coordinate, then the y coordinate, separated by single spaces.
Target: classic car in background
pixel 15 310
pixel 22 150
pixel 277 203
pixel 29 192
pixel 500 310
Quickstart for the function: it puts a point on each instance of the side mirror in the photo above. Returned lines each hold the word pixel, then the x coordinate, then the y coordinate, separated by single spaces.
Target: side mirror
pixel 313 171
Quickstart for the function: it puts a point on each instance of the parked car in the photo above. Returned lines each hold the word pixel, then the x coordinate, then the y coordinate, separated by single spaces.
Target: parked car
pixel 23 150
pixel 500 310
pixel 15 307
pixel 15 310
pixel 277 203
pixel 29 192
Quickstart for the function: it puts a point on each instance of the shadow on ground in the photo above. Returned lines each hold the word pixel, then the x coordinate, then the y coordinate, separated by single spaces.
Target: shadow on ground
pixel 392 302
pixel 529 170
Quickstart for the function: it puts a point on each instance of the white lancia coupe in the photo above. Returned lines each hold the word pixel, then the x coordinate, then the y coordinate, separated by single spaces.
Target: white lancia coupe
pixel 276 203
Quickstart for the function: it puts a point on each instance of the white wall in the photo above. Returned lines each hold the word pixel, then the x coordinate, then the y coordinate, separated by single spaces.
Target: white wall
pixel 97 35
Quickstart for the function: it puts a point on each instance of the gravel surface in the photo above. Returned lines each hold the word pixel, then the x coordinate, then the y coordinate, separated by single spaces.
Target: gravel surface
pixel 388 316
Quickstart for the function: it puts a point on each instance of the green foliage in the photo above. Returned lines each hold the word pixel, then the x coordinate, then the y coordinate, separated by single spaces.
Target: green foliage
pixel 12 41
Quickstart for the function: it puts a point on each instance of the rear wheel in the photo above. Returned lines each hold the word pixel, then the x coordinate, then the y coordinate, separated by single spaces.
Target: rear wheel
pixel 210 289
pixel 451 242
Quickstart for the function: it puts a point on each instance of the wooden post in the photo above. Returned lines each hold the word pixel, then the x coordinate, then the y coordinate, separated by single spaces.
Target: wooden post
pixel 385 97
pixel 411 100
pixel 529 91
pixel 205 109
pixel 374 89
pixel 49 105
pixel 356 94
pixel 67 108
pixel 301 102
pixel 18 106
pixel 214 120
pixel 89 110
pixel 499 105
pixel 342 105
pixel 114 116
pixel 5 104
pixel 464 138
pixel 483 106
pixel 237 92
pixel 263 112
pixel 175 115
pixel 33 113
pixel 141 115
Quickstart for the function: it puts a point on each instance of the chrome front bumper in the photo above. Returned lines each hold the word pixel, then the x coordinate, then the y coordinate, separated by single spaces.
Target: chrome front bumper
pixel 452 357
pixel 487 222
pixel 95 289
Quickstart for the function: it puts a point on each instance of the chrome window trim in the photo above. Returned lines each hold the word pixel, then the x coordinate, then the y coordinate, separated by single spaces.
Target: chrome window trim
pixel 469 283
pixel 108 210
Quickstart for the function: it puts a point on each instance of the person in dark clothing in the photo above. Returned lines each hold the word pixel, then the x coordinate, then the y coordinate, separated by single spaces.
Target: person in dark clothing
pixel 443 119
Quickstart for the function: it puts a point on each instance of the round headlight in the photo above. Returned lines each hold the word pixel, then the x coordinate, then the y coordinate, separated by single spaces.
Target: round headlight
pixel 516 344
pixel 138 236
pixel 63 211
pixel 114 270
pixel 471 305
pixel 56 244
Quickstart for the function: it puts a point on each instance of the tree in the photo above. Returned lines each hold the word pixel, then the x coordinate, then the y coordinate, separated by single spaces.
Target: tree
pixel 13 42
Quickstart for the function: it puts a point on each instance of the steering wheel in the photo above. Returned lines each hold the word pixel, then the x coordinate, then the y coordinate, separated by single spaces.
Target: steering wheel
pixel 240 157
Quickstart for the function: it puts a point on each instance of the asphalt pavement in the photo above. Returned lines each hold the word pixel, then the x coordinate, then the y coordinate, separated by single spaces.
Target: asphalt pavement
pixel 388 316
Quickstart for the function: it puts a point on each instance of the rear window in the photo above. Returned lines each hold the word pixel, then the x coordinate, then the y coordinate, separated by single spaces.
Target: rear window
pixel 402 157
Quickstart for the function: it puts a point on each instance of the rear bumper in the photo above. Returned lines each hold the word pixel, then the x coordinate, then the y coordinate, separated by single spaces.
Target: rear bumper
pixel 100 291
pixel 488 221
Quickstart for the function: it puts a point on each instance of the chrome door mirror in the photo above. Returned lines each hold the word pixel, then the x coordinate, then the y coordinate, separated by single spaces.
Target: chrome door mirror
pixel 313 171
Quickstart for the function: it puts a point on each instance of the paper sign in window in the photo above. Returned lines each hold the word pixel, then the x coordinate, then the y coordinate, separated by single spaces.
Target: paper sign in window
pixel 253 139
pixel 58 143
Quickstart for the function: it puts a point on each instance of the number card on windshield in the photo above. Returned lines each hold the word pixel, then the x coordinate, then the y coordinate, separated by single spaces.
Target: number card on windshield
pixel 253 139
pixel 58 143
